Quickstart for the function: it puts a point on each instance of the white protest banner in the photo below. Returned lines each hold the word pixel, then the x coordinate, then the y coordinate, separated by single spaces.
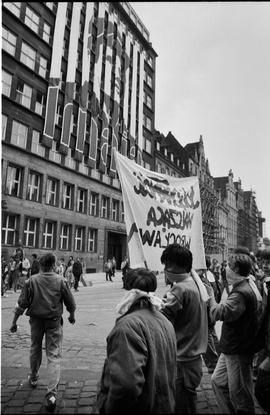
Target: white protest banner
pixel 159 210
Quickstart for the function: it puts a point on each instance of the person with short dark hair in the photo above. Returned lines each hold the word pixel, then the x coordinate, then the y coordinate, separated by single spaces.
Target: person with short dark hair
pixel 232 378
pixel 185 306
pixel 43 296
pixel 139 372
pixel 35 267
pixel 77 272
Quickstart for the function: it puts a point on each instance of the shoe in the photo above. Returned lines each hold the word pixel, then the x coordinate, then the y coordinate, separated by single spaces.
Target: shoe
pixel 51 403
pixel 32 382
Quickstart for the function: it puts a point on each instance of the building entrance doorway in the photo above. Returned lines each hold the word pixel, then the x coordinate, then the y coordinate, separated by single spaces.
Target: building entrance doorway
pixel 117 247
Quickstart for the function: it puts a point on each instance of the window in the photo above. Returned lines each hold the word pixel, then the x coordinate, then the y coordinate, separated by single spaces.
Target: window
pixel 165 152
pixel 14 8
pixel 68 191
pixel 147 145
pixel 52 192
pixel 46 34
pixel 49 233
pixel 34 187
pixel 30 232
pixel 115 210
pixel 147 122
pixel 149 60
pixel 43 67
pixel 40 103
pixel 92 240
pixel 31 19
pixel 65 236
pixel 28 56
pixel 54 155
pixel 23 94
pixel 51 5
pixel 10 225
pixel 4 126
pixel 105 205
pixel 19 134
pixel 172 157
pixel 94 204
pixel 6 83
pixel 14 181
pixel 157 146
pixel 79 238
pixel 147 165
pixel 122 213
pixel 148 79
pixel 59 115
pixel 8 41
pixel 36 147
pixel 81 200
pixel 148 101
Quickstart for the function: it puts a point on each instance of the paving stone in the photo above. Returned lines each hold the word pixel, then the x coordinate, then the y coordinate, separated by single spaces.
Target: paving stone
pixel 85 410
pixel 86 401
pixel 21 394
pixel 75 384
pixel 13 382
pixel 89 388
pixel 13 410
pixel 16 402
pixel 69 403
pixel 32 408
pixel 67 410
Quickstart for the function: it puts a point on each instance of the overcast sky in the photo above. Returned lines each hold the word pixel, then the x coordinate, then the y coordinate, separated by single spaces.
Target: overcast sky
pixel 213 78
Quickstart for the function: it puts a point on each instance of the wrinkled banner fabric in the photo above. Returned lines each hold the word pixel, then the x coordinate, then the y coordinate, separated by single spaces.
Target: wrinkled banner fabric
pixel 159 210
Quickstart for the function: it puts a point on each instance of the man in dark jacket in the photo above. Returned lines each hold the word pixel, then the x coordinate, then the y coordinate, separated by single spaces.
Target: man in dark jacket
pixel 262 386
pixel 43 296
pixel 35 265
pixel 232 378
pixel 77 272
pixel 139 372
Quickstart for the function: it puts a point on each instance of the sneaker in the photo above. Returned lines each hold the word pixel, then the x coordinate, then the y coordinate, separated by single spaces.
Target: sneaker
pixel 32 382
pixel 51 403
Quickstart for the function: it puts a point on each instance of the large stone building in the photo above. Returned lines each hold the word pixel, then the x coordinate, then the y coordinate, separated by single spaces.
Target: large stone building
pixel 78 81
pixel 209 198
pixel 228 196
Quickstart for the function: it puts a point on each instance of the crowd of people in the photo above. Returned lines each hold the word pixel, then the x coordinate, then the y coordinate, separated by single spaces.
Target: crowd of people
pixel 19 268
pixel 165 340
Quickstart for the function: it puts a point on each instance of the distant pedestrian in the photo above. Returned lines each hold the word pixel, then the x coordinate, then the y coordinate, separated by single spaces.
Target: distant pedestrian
pixel 69 275
pixel 124 268
pixel 224 282
pixel 43 296
pixel 108 270
pixel 139 372
pixel 185 305
pixel 11 269
pixel 113 266
pixel 35 265
pixel 70 261
pixel 77 272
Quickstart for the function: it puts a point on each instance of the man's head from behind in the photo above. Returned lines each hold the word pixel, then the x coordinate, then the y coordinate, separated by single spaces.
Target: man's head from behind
pixel 265 256
pixel 142 279
pixel 47 262
pixel 177 259
pixel 240 263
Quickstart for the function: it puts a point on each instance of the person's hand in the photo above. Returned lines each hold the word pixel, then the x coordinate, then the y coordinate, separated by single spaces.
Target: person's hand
pixel 265 365
pixel 13 328
pixel 71 319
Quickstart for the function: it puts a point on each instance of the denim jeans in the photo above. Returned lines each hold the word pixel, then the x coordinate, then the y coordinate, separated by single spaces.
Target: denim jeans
pixel 233 384
pixel 53 331
pixel 189 374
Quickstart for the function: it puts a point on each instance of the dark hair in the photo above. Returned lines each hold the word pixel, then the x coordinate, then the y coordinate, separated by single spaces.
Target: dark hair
pixel 266 253
pixel 47 262
pixel 241 250
pixel 207 262
pixel 141 278
pixel 178 255
pixel 243 262
pixel 34 256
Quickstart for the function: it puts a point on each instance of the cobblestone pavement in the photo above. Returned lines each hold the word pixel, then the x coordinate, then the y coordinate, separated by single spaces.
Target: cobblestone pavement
pixel 84 350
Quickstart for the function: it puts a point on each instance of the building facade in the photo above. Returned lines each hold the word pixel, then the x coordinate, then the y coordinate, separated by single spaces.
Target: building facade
pixel 78 81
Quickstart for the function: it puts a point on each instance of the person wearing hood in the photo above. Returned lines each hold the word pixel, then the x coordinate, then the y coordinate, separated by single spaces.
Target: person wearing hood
pixel 232 379
pixel 139 372
pixel 185 305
